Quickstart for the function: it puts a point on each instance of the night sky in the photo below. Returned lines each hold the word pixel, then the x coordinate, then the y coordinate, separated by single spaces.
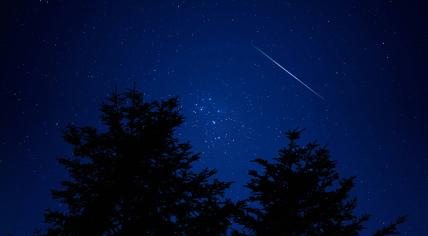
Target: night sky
pixel 59 59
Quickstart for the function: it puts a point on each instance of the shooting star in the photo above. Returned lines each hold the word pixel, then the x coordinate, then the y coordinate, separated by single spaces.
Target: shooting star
pixel 280 66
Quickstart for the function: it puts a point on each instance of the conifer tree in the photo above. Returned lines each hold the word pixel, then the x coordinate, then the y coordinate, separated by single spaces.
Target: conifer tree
pixel 302 194
pixel 133 177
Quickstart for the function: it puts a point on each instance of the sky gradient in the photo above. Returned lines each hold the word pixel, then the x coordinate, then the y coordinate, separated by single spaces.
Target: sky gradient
pixel 60 59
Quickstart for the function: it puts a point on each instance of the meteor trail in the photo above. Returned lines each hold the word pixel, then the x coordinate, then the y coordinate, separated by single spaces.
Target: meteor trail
pixel 276 63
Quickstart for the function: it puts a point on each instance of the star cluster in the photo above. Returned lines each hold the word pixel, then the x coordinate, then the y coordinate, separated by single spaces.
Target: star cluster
pixel 367 58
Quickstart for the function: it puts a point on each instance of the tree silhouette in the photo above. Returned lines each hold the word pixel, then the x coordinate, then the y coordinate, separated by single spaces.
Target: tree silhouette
pixel 301 193
pixel 390 229
pixel 135 178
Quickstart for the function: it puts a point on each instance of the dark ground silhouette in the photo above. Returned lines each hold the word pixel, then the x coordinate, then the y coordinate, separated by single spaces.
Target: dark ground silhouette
pixel 301 193
pixel 136 178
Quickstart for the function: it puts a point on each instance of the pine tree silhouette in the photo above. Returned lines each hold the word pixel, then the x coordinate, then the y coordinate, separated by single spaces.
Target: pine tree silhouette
pixel 302 194
pixel 135 178
pixel 390 229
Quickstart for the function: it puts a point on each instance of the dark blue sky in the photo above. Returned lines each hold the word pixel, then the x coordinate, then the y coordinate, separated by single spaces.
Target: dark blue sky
pixel 59 59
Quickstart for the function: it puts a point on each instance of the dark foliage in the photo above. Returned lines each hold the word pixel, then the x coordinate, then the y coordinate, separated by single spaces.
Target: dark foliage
pixel 390 229
pixel 135 178
pixel 301 193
